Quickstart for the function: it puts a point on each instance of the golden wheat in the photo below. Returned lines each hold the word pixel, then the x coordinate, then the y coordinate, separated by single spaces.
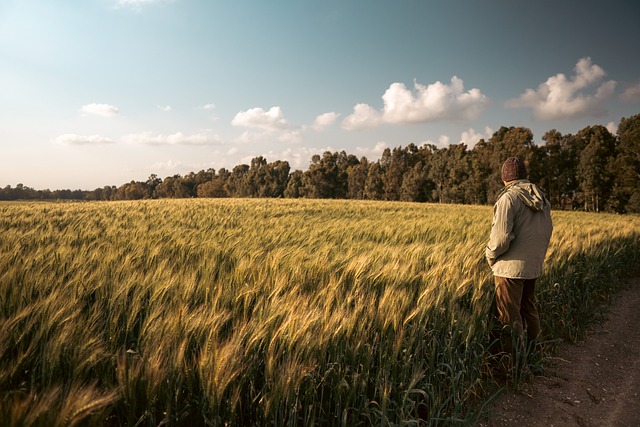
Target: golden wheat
pixel 282 312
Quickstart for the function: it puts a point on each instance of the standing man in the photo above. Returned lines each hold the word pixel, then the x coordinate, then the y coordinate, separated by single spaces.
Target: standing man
pixel 518 243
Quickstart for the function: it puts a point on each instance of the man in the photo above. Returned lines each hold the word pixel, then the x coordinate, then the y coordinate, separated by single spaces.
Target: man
pixel 518 243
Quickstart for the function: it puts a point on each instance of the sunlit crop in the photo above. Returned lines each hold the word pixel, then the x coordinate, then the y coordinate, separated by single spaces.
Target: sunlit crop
pixel 280 312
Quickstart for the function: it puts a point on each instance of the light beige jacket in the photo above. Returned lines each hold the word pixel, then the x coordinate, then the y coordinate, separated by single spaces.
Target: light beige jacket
pixel 520 231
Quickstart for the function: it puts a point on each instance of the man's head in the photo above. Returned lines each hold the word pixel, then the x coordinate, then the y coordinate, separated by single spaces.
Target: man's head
pixel 512 169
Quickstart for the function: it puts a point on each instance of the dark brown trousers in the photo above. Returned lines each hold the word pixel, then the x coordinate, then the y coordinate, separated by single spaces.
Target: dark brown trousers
pixel 517 311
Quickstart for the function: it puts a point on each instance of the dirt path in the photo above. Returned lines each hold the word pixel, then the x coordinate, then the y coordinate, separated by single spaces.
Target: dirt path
pixel 594 383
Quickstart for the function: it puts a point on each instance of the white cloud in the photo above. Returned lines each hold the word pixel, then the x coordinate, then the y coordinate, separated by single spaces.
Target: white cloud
pixel 104 110
pixel 178 138
pixel 631 95
pixel 293 136
pixel 470 137
pixel 325 120
pixel 209 107
pixel 169 165
pixel 560 97
pixel 364 116
pixel 437 101
pixel 371 153
pixel 612 127
pixel 298 157
pixel 73 139
pixel 443 142
pixel 257 118
pixel 165 108
pixel 249 137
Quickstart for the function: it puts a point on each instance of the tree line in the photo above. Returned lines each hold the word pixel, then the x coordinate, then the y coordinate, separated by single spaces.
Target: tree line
pixel 592 170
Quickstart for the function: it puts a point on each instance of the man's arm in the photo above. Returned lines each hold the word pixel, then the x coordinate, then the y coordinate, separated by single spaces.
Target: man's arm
pixel 501 229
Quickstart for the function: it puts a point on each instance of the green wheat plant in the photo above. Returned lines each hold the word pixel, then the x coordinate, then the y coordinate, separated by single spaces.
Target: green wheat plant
pixel 270 312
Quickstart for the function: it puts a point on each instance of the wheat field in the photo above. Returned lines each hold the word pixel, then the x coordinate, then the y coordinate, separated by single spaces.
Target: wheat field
pixel 271 311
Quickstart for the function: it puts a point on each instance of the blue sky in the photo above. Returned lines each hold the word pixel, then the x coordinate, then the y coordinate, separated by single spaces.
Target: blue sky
pixel 102 92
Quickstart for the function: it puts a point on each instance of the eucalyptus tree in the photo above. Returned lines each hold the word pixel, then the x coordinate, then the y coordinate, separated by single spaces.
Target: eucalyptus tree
pixel 596 166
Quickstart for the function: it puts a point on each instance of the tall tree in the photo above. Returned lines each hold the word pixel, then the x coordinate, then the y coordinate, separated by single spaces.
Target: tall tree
pixel 174 187
pixel 255 181
pixel 416 186
pixel 374 186
pixel 133 191
pixel 626 189
pixel 507 142
pixel 213 188
pixel 276 179
pixel 397 163
pixel 295 187
pixel 449 170
pixel 560 168
pixel 236 184
pixel 153 182
pixel 327 176
pixel 595 168
pixel 357 179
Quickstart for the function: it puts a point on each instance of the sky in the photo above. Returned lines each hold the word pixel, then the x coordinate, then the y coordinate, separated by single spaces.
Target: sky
pixel 103 92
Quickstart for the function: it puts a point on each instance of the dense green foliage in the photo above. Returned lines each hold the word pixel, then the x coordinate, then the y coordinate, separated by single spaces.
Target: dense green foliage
pixel 281 312
pixel 592 170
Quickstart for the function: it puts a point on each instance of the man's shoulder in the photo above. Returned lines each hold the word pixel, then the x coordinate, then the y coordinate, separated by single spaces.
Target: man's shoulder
pixel 507 197
pixel 510 201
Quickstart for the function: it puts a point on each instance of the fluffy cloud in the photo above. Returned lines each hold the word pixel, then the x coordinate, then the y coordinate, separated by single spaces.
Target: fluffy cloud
pixel 169 165
pixel 209 107
pixel 165 108
pixel 470 137
pixel 272 120
pixel 560 97
pixel 298 157
pixel 104 110
pixel 364 116
pixel 293 136
pixel 196 139
pixel 249 137
pixel 612 127
pixel 631 95
pixel 371 153
pixel 443 142
pixel 73 139
pixel 437 101
pixel 325 120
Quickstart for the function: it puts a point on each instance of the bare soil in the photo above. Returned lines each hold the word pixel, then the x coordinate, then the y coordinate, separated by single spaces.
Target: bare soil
pixel 592 383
